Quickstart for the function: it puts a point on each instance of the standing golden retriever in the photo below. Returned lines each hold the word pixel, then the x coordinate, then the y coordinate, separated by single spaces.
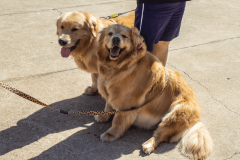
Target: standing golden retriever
pixel 78 34
pixel 130 77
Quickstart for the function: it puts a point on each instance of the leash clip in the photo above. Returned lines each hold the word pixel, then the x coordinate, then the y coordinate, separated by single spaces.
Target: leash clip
pixel 63 112
pixel 114 15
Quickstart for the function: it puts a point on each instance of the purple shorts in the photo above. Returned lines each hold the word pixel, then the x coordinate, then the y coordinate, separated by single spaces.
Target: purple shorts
pixel 159 22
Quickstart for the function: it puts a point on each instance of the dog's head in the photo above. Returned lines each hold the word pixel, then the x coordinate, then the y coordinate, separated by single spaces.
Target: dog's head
pixel 75 31
pixel 119 43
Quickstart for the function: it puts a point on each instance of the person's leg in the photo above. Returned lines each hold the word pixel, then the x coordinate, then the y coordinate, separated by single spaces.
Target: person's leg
pixel 172 31
pixel 159 24
pixel 160 50
pixel 151 21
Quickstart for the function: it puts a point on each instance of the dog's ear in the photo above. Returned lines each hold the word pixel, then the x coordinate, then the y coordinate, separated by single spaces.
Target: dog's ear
pixel 93 29
pixel 102 34
pixel 137 39
pixel 101 49
pixel 93 26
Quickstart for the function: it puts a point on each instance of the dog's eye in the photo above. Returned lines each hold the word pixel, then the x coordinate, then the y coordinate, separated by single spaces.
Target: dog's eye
pixel 74 29
pixel 124 36
pixel 110 33
pixel 62 27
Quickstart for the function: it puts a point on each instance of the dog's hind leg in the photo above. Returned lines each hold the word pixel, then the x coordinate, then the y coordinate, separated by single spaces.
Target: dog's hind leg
pixel 92 90
pixel 172 127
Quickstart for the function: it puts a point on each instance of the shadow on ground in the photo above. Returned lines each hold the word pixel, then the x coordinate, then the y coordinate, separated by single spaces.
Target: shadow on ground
pixel 84 144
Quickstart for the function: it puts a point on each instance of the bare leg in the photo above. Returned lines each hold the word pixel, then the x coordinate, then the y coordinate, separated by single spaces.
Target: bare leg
pixel 92 90
pixel 104 118
pixel 160 50
pixel 121 123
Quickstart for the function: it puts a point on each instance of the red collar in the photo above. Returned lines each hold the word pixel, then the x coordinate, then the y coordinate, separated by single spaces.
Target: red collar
pixel 140 46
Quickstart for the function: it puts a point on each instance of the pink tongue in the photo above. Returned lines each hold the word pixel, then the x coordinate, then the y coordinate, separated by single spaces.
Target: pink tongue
pixel 115 53
pixel 65 52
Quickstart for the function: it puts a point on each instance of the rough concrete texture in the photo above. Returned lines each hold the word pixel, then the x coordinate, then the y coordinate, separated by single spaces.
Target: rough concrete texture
pixel 206 53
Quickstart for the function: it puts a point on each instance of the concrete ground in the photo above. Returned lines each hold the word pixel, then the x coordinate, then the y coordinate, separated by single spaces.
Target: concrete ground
pixel 207 54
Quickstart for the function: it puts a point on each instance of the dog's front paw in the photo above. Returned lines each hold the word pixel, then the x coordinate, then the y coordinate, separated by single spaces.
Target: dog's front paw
pixel 91 91
pixel 106 137
pixel 102 118
pixel 149 146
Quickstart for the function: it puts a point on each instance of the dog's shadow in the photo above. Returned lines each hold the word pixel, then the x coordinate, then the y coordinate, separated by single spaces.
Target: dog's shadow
pixel 84 144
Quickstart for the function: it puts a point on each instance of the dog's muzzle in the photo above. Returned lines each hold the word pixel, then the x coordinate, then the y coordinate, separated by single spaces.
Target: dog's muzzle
pixel 65 52
pixel 62 42
pixel 115 52
pixel 116 40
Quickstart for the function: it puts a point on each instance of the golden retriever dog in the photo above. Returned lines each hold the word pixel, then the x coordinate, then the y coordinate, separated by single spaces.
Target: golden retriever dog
pixel 133 80
pixel 78 33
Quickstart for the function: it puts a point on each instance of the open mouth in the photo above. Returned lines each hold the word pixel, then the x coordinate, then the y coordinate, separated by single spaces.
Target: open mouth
pixel 115 52
pixel 65 52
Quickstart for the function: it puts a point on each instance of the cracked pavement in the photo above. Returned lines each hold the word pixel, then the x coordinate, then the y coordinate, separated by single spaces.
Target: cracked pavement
pixel 206 54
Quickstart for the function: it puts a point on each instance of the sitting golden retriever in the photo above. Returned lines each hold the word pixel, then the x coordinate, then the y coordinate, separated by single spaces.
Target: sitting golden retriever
pixel 78 33
pixel 133 80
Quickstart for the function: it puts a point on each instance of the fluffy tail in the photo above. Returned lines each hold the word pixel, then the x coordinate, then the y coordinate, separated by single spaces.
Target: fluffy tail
pixel 196 143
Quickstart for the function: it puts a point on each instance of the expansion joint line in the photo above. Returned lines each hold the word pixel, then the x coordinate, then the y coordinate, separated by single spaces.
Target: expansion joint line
pixel 65 8
pixel 55 9
pixel 206 89
pixel 233 155
pixel 221 40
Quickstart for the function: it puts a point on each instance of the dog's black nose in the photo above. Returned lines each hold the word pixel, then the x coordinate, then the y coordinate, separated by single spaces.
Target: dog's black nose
pixel 62 42
pixel 116 40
